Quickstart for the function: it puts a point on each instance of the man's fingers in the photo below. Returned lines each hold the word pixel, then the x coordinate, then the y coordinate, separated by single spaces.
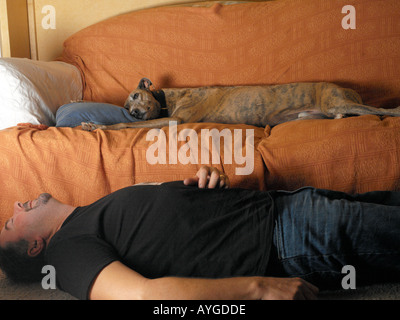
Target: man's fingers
pixel 208 177
pixel 214 178
pixel 191 181
pixel 224 181
pixel 204 175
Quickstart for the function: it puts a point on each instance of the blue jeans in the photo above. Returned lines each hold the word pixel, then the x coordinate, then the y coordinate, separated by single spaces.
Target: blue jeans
pixel 317 232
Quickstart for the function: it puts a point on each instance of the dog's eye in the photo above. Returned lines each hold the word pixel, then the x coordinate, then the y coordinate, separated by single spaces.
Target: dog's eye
pixel 135 96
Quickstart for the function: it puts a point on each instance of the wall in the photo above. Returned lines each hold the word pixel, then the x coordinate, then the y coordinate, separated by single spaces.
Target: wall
pixel 4 35
pixel 74 15
pixel 14 28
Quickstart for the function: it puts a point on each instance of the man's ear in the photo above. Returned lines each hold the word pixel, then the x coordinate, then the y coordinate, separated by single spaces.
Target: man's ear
pixel 145 84
pixel 35 247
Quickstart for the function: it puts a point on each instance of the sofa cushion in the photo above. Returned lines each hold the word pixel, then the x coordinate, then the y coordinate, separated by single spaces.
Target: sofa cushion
pixel 354 155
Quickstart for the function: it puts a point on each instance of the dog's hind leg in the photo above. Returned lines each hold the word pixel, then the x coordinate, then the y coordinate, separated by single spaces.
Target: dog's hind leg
pixel 360 109
pixel 314 114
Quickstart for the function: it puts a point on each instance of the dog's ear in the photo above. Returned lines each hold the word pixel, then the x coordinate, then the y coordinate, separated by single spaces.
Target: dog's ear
pixel 145 84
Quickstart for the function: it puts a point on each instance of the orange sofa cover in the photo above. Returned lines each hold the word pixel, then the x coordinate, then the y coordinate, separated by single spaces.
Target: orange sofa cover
pixel 353 155
pixel 272 42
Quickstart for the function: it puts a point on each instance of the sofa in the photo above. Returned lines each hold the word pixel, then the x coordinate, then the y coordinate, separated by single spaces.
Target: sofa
pixel 207 44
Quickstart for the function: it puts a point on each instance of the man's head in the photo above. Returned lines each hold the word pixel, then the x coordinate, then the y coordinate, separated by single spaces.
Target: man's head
pixel 23 240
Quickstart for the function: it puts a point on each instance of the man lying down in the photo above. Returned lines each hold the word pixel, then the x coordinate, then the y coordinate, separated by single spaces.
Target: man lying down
pixel 198 239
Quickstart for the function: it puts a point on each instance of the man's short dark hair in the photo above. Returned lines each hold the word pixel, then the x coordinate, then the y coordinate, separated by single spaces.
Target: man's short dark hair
pixel 18 265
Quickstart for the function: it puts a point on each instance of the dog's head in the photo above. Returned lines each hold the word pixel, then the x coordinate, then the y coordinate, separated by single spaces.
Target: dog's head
pixel 141 103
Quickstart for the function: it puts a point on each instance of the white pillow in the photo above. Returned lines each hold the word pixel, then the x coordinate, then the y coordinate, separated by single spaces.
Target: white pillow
pixel 32 91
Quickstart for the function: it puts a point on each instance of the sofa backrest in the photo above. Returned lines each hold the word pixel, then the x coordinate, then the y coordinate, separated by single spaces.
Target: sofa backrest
pixel 271 42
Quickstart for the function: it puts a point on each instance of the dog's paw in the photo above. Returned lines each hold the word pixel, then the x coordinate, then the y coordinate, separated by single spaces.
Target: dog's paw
pixel 339 116
pixel 89 126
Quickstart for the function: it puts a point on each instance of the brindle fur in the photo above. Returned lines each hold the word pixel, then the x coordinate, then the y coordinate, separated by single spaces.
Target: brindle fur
pixel 252 105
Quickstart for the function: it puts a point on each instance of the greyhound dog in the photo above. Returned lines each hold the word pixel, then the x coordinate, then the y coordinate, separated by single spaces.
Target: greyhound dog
pixel 252 105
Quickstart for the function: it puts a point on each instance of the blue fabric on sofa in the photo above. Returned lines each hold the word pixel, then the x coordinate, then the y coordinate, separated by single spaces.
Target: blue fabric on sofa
pixel 72 114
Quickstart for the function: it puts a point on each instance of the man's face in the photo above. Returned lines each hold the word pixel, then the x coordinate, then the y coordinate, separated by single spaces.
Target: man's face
pixel 22 224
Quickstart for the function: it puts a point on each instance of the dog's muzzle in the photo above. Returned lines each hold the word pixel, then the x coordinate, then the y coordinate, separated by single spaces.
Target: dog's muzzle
pixel 136 113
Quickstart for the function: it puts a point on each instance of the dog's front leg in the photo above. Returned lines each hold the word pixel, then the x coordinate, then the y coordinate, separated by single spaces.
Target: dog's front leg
pixel 155 123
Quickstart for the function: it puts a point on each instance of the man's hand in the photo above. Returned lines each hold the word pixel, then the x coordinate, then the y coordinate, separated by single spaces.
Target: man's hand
pixel 208 177
pixel 285 289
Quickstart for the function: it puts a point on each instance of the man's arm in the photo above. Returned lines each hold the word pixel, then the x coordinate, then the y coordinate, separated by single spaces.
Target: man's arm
pixel 116 281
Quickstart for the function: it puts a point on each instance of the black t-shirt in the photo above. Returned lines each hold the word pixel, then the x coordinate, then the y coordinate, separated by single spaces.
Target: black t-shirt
pixel 165 230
